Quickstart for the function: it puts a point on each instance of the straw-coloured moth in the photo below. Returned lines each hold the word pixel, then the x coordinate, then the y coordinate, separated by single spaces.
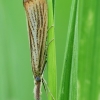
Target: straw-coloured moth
pixel 36 11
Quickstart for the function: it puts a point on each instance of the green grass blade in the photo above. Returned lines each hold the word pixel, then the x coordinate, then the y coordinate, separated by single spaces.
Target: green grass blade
pixel 74 67
pixel 89 50
pixel 52 74
pixel 69 75
pixel 62 14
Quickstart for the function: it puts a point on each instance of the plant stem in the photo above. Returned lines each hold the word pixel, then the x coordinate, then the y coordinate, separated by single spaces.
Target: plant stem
pixel 52 74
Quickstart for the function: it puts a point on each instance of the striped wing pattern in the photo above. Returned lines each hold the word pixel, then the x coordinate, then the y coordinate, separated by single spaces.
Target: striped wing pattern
pixel 36 11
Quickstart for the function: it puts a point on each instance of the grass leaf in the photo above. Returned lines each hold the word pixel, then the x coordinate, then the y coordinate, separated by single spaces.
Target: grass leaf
pixel 52 74
pixel 89 50
pixel 69 74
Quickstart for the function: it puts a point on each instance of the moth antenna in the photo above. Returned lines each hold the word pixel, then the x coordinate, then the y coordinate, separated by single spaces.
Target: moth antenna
pixel 45 85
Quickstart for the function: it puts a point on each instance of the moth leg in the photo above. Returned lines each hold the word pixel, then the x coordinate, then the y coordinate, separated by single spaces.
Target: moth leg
pixel 50 28
pixel 50 42
pixel 46 49
pixel 48 45
pixel 46 86
pixel 44 66
pixel 47 35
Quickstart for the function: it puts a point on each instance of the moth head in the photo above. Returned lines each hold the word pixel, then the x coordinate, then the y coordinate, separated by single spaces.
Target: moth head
pixel 38 79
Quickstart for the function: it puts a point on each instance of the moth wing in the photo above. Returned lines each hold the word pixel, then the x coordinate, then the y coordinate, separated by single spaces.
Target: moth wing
pixel 42 33
pixel 36 11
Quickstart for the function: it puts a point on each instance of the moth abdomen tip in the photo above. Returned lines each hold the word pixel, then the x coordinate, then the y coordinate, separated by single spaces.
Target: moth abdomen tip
pixel 25 1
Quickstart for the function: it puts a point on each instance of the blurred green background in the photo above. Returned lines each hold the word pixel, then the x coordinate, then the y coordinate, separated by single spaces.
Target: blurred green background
pixel 16 79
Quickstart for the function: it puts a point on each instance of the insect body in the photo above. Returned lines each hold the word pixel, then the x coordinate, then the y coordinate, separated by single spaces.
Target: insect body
pixel 36 11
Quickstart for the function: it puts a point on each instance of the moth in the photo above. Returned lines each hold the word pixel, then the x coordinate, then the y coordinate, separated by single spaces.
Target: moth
pixel 37 19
